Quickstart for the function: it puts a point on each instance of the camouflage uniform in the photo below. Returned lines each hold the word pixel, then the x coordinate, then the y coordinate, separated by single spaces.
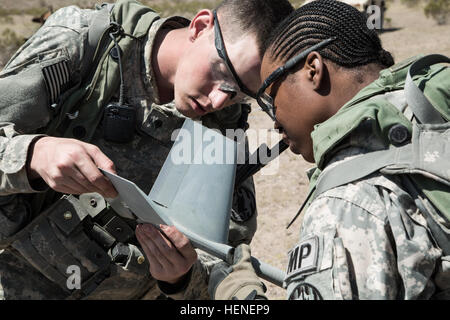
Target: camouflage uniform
pixel 366 239
pixel 140 161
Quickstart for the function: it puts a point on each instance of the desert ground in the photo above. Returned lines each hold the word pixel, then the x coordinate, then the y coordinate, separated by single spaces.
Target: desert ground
pixel 282 185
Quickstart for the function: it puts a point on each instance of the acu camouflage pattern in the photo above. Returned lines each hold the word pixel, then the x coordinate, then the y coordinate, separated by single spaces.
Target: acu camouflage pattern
pixel 374 243
pixel 140 161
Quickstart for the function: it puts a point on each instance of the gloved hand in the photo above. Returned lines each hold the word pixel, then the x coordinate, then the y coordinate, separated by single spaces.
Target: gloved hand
pixel 236 281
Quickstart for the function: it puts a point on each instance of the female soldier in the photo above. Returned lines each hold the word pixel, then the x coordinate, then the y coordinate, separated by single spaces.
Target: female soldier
pixel 329 96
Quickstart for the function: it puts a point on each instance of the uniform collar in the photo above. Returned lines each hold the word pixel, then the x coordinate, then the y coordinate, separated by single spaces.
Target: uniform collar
pixel 163 23
pixel 327 136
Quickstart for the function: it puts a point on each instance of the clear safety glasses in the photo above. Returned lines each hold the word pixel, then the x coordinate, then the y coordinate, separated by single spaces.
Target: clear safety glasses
pixel 220 47
pixel 265 101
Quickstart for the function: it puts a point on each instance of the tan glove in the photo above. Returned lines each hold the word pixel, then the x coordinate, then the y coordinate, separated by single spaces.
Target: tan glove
pixel 236 281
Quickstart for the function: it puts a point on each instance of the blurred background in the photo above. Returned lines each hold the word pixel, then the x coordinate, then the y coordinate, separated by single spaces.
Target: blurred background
pixel 410 27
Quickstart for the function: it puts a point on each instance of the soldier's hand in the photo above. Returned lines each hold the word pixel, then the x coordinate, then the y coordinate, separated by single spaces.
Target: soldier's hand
pixel 237 281
pixel 70 166
pixel 170 259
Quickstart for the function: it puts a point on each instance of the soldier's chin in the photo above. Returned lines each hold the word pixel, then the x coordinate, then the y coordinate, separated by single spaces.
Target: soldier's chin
pixel 185 109
pixel 293 147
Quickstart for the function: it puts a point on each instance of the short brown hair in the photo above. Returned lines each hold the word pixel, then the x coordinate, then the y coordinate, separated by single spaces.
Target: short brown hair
pixel 259 17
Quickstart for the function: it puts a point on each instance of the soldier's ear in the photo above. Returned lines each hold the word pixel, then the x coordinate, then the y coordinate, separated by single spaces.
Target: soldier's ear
pixel 202 22
pixel 315 69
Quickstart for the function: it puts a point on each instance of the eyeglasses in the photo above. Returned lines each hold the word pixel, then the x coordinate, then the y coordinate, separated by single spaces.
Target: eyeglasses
pixel 220 47
pixel 264 100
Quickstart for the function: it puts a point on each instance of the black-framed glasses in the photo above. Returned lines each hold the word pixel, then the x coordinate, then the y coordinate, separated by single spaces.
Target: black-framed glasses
pixel 220 47
pixel 264 100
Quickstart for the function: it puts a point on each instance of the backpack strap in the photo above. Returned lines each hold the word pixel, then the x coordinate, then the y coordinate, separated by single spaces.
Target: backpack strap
pixel 439 231
pixel 417 101
pixel 344 172
pixel 426 154
pixel 100 23
pixel 135 21
pixel 412 158
pixel 98 26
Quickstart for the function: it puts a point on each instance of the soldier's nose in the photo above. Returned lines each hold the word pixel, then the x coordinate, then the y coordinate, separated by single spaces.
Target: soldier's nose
pixel 218 99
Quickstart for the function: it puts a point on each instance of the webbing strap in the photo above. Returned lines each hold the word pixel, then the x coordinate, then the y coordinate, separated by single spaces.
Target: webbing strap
pixel 100 23
pixel 355 169
pixel 362 166
pixel 440 233
pixel 417 101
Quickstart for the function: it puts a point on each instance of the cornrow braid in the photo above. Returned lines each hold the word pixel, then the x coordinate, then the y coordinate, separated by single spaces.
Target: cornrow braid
pixel 355 43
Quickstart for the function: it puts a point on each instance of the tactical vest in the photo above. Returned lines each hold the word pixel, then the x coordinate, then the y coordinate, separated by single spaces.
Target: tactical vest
pixel 85 232
pixel 417 152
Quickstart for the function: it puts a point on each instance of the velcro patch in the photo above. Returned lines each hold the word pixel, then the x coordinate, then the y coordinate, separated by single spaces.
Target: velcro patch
pixel 56 77
pixel 303 257
pixel 305 291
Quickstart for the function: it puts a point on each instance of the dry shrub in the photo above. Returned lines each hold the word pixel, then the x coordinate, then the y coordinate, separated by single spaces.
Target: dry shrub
pixel 439 10
pixel 9 43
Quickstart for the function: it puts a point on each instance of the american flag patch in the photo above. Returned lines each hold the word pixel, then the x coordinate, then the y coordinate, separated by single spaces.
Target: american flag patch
pixel 56 77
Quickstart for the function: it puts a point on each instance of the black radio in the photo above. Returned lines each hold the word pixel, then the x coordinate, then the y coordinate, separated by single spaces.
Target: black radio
pixel 119 122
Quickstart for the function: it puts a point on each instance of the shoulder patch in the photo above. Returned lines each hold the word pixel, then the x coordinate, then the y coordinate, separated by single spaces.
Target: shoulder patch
pixel 303 257
pixel 56 78
pixel 305 291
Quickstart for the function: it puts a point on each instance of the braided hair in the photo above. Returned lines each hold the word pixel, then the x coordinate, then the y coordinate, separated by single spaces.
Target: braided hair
pixel 355 45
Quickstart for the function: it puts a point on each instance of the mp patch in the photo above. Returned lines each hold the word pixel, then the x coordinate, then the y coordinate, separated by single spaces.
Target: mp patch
pixel 57 77
pixel 303 257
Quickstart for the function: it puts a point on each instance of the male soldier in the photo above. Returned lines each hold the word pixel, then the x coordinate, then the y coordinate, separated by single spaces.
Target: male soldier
pixel 61 91
pixel 338 98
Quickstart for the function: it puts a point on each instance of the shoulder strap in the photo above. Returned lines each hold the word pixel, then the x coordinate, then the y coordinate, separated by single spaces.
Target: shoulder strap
pixel 100 23
pixel 426 154
pixel 417 101
pixel 344 173
pixel 416 157
pixel 440 232
pixel 98 26
pixel 93 95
